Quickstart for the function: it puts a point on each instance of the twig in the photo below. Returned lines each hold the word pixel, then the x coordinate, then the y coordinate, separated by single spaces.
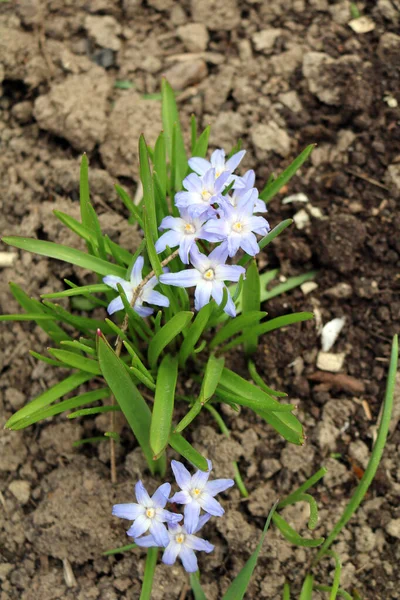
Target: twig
pixel 118 348
pixel 368 179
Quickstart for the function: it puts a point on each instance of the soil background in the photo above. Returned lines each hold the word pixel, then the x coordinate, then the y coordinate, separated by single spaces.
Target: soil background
pixel 279 75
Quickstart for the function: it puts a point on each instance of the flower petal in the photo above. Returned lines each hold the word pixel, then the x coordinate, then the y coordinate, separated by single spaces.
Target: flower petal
pixel 199 165
pixel 229 272
pixel 140 526
pixel 218 291
pixel 210 505
pixel 249 244
pixel 181 498
pixel 189 559
pixel 202 294
pixel 130 511
pixel 142 496
pixel 192 513
pixel 143 311
pixel 136 274
pixel 187 278
pixel 153 297
pixel 202 521
pixel 175 223
pixel 234 160
pixel 186 244
pixel 230 308
pixel 218 255
pixel 159 533
pixel 171 552
pixel 182 475
pixel 146 541
pixel 196 543
pixel 115 305
pixel 199 261
pixel 169 238
pixel 218 485
pixel 161 495
pixel 192 183
pixel 200 478
pixel 168 517
pixel 113 280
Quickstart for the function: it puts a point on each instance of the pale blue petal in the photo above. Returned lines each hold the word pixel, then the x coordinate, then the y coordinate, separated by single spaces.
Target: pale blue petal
pixel 129 511
pixel 181 498
pixel 218 291
pixel 219 485
pixel 182 475
pixel 140 526
pixel 249 244
pixel 208 180
pixel 218 159
pixel 196 543
pixel 161 495
pixel 234 160
pixel 200 478
pixel 211 505
pixel 188 559
pixel 115 305
pixel 185 246
pixel 192 183
pixel 141 494
pixel 147 541
pixel 187 278
pixel 230 307
pixel 199 165
pixel 113 280
pixel 143 311
pixel 233 241
pixel 260 206
pixel 202 521
pixel 256 223
pixel 153 297
pixel 192 513
pixel 217 227
pixel 170 517
pixel 219 255
pixel 200 209
pixel 202 293
pixel 136 275
pixel 229 272
pixel 159 533
pixel 198 260
pixel 246 203
pixel 171 552
pixel 222 181
pixel 169 238
pixel 171 223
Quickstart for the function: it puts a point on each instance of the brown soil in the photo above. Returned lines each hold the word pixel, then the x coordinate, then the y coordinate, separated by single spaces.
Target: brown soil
pixel 279 75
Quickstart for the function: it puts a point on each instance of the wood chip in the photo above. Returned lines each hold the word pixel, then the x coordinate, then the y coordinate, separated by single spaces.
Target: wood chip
pixel 339 382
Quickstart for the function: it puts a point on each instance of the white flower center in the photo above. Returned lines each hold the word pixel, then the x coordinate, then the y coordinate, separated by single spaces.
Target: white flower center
pixel 238 227
pixel 189 229
pixel 150 512
pixel 209 275
pixel 206 195
pixel 180 538
pixel 195 492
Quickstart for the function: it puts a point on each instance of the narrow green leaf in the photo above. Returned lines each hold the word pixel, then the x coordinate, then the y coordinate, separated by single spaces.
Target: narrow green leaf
pixel 119 550
pixel 113 435
pixel 193 132
pixel 55 392
pixel 161 420
pixel 130 400
pixel 76 361
pixel 292 536
pixel 167 334
pixel 170 119
pixel 136 362
pixel 196 587
pixel 290 284
pixel 45 359
pixel 148 190
pixel 96 410
pixel 239 585
pixel 149 569
pixel 342 593
pixel 124 84
pixel 81 323
pixel 251 301
pixel 92 440
pixel 79 291
pixel 151 251
pixel 66 254
pixel 182 446
pixel 84 194
pixel 26 317
pixel 126 199
pixel 189 417
pixel 267 239
pixel 236 325
pixel 286 424
pixel 160 162
pixel 273 188
pixel 194 333
pixel 294 496
pixel 271 325
pixel 201 146
pixel 76 227
pixel 286 591
pixel 258 381
pixel 307 588
pixel 143 378
pixel 212 376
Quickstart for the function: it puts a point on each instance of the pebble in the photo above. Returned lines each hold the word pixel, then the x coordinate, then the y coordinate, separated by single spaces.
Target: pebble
pixel 393 528
pixel 301 219
pixel 194 36
pixel 185 73
pixel 308 286
pixel 330 333
pixel 270 137
pixel 362 24
pixel 264 40
pixel 21 490
pixel 327 361
pixel 340 290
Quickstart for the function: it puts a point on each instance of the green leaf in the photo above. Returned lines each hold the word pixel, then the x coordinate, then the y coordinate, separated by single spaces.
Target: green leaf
pixel 289 284
pixel 201 146
pixel 76 361
pixel 55 392
pixel 286 424
pixel 273 188
pixel 130 400
pixel 34 306
pixel 151 251
pixel 76 227
pixel 129 204
pixel 79 291
pixel 119 550
pixel 96 410
pixel 26 317
pixel 66 254
pixel 81 323
pixel 293 497
pixel 236 325
pixel 123 84
pixel 307 588
pixel 249 395
pixel 161 420
pixel 239 585
pixel 188 418
pixel 143 378
pixel 194 333
pixel 251 301
pixel 149 569
pixel 292 536
pixel 267 239
pixel 170 119
pixel 136 362
pixel 196 587
pixel 212 376
pixel 148 189
pixel 286 591
pixel 182 446
pixel 271 325
pixel 258 381
pixel 45 359
pixel 160 162
pixel 167 334
pixel 84 194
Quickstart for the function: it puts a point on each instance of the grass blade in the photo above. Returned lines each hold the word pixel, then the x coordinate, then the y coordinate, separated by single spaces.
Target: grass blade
pixel 161 420
pixel 76 361
pixel 251 301
pixel 273 188
pixel 167 334
pixel 170 119
pixel 292 536
pixel 148 189
pixel 149 569
pixel 212 376
pixel 79 291
pixel 194 333
pixel 236 325
pixel 182 446
pixel 307 589
pixel 196 587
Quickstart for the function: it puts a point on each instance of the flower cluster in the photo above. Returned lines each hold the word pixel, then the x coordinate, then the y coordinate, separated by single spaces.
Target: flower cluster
pixel 180 539
pixel 216 207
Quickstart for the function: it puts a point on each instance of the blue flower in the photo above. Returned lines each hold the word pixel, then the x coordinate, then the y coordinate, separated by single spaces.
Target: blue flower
pixel 202 193
pixel 209 274
pixel 184 231
pixel 218 163
pixel 147 293
pixel 148 514
pixel 241 186
pixel 180 544
pixel 238 225
pixel 198 493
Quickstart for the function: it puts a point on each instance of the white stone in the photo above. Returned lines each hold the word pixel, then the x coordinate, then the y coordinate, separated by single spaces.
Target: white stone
pixel 308 286
pixel 330 332
pixel 300 197
pixel 21 490
pixel 301 219
pixel 264 40
pixel 194 36
pixel 327 361
pixel 362 24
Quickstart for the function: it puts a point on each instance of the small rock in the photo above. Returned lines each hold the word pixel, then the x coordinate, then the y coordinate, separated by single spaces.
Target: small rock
pixel 389 48
pixel 308 286
pixel 270 137
pixel 161 5
pixel 264 40
pixel 216 15
pixel 388 10
pixel 362 24
pixel 5 570
pixel 194 36
pixel 23 111
pixel 15 397
pixel 327 361
pixel 330 333
pixel 393 528
pixel 186 73
pixel 340 290
pixel 360 452
pixel 270 466
pixel 301 219
pixel 291 100
pixel 392 178
pixel 300 197
pixel 21 490
pixel 104 58
pixel 104 30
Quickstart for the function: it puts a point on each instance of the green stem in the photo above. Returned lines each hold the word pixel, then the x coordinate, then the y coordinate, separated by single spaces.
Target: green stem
pixel 150 566
pixel 374 461
pixel 326 588
pixel 293 497
pixel 226 432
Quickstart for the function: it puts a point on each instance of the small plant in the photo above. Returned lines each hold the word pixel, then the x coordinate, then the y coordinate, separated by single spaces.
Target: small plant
pixel 202 229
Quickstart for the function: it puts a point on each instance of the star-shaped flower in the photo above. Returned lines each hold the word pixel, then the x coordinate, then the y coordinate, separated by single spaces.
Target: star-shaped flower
pixel 202 193
pixel 218 163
